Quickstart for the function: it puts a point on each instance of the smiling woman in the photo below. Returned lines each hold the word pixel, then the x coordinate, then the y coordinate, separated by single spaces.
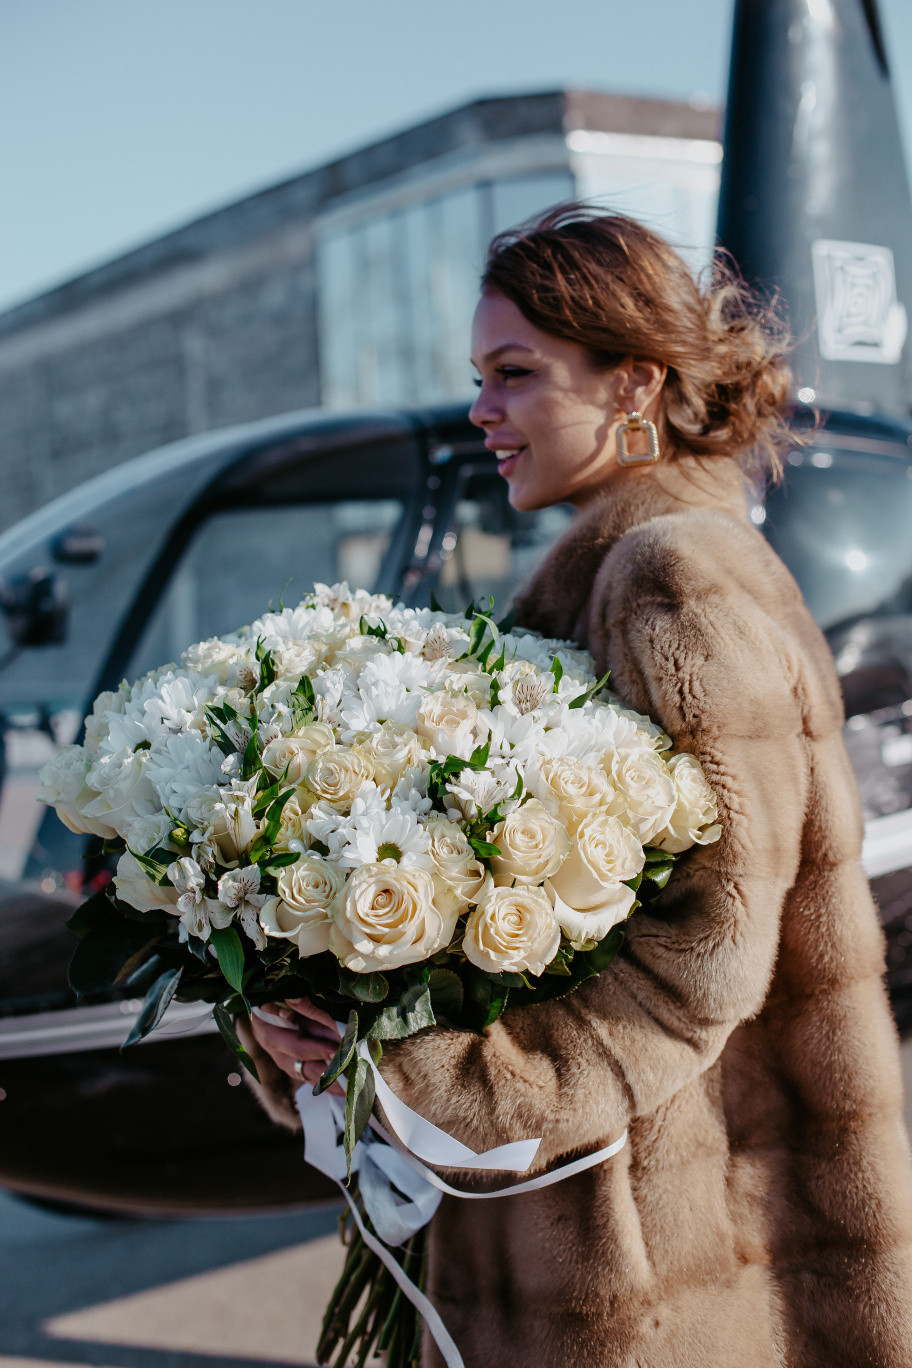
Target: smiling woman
pixel 761 1214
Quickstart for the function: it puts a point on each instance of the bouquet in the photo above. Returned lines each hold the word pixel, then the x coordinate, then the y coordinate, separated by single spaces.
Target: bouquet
pixel 408 816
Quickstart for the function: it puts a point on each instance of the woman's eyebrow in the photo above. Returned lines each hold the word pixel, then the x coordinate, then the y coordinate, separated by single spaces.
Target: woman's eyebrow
pixel 498 351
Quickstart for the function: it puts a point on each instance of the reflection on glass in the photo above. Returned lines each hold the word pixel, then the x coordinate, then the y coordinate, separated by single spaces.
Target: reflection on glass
pixel 843 531
pixel 491 549
pixel 240 562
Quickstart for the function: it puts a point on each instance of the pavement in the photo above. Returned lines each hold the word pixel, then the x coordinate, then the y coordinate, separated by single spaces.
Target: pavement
pixel 215 1293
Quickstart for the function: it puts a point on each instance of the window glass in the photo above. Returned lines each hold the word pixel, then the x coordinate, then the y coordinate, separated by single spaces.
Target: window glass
pixel 840 521
pixel 490 549
pixel 337 314
pixel 241 561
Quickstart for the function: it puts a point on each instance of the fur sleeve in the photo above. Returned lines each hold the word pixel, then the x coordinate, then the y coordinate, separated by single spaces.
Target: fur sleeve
pixel 726 683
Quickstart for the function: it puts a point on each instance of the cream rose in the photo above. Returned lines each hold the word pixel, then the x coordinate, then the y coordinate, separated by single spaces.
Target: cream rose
pixel 458 874
pixel 390 751
pixel 290 755
pixel 587 891
pixel 301 912
pixel 533 844
pixel 450 722
pixel 336 775
pixel 695 817
pixel 386 916
pixel 572 790
pixel 292 833
pixel 513 930
pixel 649 792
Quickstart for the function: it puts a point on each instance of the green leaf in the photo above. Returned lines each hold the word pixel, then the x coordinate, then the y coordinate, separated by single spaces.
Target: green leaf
pixel 156 1004
pixel 446 992
pixel 303 703
pixel 231 1038
pixel 485 849
pixel 557 670
pixel 436 607
pixel 343 1056
pixel 105 953
pixel 264 841
pixel 411 1013
pixel 157 870
pixel 363 987
pixel 479 757
pixel 359 1101
pixel 280 859
pixel 96 912
pixel 319 847
pixel 230 953
pixel 583 698
pixel 485 1001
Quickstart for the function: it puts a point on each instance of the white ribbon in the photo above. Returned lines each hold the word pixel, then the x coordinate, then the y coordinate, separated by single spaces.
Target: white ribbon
pixel 400 1194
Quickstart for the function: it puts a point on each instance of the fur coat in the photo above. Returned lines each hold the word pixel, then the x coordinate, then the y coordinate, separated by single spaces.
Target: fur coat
pixel 761 1214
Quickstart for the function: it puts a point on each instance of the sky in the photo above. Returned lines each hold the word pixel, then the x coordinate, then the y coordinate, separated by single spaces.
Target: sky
pixel 122 119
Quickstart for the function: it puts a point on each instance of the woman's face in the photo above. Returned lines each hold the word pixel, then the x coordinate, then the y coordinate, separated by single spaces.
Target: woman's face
pixel 550 417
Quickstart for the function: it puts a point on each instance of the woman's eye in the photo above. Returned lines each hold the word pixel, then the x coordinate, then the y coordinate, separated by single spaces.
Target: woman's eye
pixel 505 373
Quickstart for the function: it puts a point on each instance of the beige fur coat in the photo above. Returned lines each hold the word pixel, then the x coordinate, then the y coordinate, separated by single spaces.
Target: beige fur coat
pixel 761 1213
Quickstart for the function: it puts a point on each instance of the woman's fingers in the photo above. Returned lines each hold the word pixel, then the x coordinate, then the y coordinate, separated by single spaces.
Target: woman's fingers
pixel 305 1008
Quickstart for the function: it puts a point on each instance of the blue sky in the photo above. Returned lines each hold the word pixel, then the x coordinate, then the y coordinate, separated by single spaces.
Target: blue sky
pixel 120 119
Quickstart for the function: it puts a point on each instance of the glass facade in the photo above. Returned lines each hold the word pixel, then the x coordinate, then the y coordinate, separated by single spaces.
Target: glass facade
pixel 397 286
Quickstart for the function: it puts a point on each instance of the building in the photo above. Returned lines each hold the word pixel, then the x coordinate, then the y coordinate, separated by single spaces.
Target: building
pixel 350 285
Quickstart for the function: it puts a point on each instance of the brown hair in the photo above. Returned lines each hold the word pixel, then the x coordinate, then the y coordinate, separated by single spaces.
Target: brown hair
pixel 611 284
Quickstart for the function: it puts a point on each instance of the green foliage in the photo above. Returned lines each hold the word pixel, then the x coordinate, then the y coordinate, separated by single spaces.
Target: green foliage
pixel 303 703
pixel 411 1013
pixel 593 689
pixel 359 1101
pixel 231 1038
pixel 156 1004
pixel 230 954
pixel 343 1056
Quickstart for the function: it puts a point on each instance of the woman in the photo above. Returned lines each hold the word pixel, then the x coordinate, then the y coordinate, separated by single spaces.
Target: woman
pixel 761 1213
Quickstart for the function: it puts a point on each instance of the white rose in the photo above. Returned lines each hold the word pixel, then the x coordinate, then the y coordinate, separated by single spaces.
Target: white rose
pixel 106 705
pixel 458 873
pixel 292 833
pixel 649 791
pixel 587 891
pixel 450 722
pixel 386 916
pixel 301 912
pixel 124 791
pixel 694 820
pixel 295 658
pixel 513 930
pixel 572 790
pixel 62 785
pixel 336 775
pixel 212 657
pixel 533 844
pixel 294 753
pixel 391 750
pixel 134 886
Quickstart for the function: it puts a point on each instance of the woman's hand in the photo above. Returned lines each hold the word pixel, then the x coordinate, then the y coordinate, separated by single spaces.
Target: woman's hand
pixel 310 1038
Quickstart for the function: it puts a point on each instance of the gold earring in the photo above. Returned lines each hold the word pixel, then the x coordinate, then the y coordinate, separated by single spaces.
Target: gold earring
pixel 635 422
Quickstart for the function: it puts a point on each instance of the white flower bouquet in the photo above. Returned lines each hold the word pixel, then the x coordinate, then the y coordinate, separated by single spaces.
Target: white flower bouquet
pixel 408 816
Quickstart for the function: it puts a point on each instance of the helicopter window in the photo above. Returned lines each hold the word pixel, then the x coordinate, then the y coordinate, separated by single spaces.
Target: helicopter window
pixel 489 548
pixel 241 561
pixel 840 521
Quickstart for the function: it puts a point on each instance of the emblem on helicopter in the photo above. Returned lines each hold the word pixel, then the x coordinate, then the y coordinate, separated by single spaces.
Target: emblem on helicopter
pixel 859 317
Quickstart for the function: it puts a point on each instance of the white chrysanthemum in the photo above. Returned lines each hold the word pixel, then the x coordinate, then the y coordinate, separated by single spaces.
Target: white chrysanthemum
pixel 214 656
pixel 179 766
pixel 165 706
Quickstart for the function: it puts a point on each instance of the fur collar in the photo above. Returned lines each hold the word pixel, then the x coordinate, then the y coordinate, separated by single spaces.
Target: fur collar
pixel 555 600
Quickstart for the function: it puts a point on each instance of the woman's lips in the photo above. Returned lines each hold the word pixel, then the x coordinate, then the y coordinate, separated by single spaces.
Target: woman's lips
pixel 506 464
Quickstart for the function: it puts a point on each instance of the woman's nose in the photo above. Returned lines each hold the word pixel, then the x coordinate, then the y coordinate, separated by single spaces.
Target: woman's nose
pixel 483 411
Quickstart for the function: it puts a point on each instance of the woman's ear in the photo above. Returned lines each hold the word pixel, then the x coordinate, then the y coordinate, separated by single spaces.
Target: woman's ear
pixel 641 383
